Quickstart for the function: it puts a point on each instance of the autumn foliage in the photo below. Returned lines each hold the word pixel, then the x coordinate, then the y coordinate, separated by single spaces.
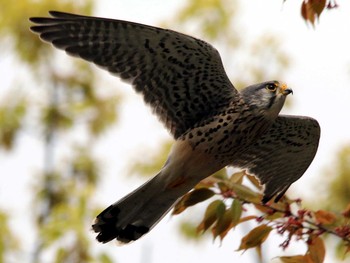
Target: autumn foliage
pixel 312 9
pixel 235 203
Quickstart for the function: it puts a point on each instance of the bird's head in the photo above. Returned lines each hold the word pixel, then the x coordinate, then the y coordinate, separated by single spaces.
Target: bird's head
pixel 267 97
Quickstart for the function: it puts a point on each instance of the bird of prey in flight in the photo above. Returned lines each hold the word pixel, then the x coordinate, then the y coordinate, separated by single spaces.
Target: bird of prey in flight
pixel 183 80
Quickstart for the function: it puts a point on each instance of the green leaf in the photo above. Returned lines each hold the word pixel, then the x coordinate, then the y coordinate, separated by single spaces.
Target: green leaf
pixel 211 215
pixel 220 210
pixel 223 187
pixel 192 198
pixel 197 196
pixel 221 174
pixel 245 193
pixel 54 117
pixel 237 177
pixel 236 211
pixel 104 258
pixel 189 230
pixel 254 181
pixel 223 225
pixel 61 254
pixel 12 112
pixel 105 108
pixel 255 237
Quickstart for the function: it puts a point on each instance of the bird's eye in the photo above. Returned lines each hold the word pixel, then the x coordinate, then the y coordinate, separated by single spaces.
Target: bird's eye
pixel 271 87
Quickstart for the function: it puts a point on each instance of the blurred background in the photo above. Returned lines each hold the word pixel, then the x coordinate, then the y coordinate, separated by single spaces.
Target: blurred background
pixel 74 139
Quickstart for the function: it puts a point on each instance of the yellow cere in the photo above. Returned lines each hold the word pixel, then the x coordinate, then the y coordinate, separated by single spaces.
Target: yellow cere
pixel 283 87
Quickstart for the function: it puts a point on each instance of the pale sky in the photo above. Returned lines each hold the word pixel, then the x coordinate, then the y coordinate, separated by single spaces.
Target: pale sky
pixel 319 76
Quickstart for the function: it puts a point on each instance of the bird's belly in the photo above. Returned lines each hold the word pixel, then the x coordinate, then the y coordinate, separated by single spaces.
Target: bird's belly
pixel 223 142
pixel 207 149
pixel 187 166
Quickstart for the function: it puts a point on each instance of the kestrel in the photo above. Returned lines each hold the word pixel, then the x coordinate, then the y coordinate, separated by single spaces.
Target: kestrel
pixel 183 79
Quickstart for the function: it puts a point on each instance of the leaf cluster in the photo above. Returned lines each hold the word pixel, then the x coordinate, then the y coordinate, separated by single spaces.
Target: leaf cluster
pixel 64 209
pixel 69 101
pixel 234 203
pixel 12 111
pixel 8 241
pixel 311 10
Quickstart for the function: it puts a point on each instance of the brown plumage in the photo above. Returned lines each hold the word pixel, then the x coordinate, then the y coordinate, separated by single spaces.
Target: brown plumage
pixel 183 80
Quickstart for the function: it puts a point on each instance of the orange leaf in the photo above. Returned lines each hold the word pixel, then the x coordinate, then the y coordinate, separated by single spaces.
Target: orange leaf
pixel 178 208
pixel 346 212
pixel 255 237
pixel 269 212
pixel 247 218
pixel 307 12
pixel 317 250
pixel 325 217
pixel 303 10
pixel 296 259
pixel 318 6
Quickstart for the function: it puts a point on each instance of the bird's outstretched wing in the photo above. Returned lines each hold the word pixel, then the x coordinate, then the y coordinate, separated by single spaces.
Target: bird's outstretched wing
pixel 282 154
pixel 181 77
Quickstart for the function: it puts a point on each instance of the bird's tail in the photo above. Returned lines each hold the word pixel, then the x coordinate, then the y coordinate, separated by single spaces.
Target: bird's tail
pixel 135 214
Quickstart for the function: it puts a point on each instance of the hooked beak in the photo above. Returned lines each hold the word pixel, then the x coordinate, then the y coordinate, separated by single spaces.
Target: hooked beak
pixel 285 90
